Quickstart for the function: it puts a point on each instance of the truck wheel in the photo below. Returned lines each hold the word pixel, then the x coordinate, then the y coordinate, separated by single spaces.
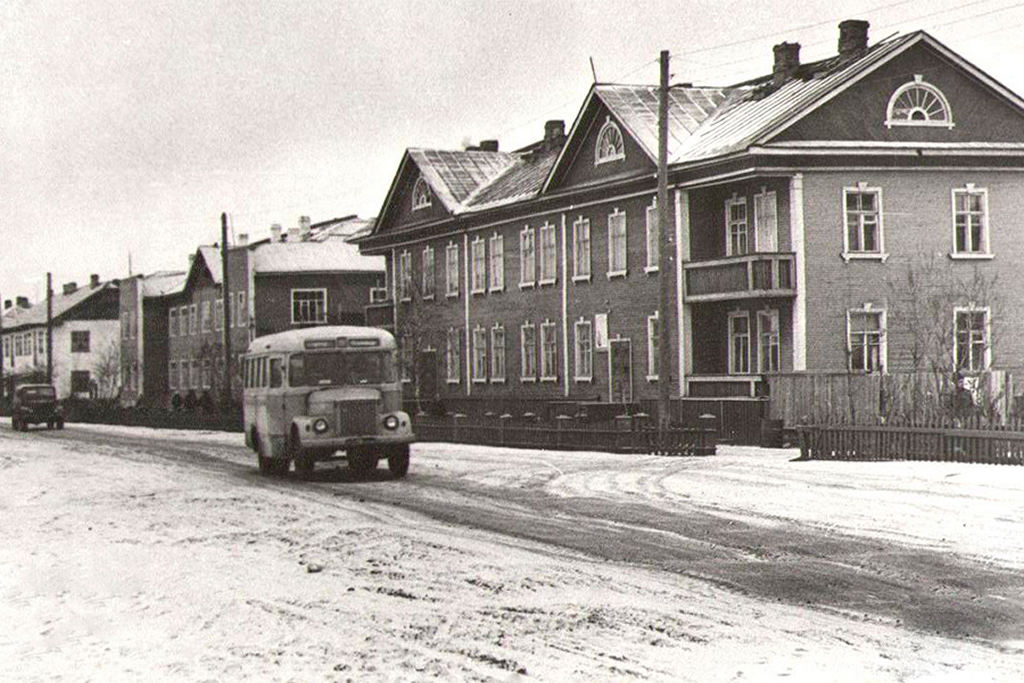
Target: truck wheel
pixel 398 462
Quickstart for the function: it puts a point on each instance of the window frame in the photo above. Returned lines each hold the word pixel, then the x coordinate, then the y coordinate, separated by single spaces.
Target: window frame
pixel 880 254
pixel 479 364
pixel 428 274
pixel 653 347
pixel 421 195
pixel 764 198
pixel 172 321
pixel 204 317
pixel 920 84
pixel 548 328
pixel 193 319
pixel 583 351
pixel 496 263
pixel 986 359
pixel 652 230
pixel 613 240
pixel 731 245
pixel 578 242
pixel 733 357
pixel 453 356
pixel 451 266
pixel 307 290
pixel 986 252
pixel 404 279
pixel 77 345
pixel 478 265
pixel 497 359
pixel 882 332
pixel 775 340
pixel 546 230
pixel 528 352
pixel 527 238
pixel 607 128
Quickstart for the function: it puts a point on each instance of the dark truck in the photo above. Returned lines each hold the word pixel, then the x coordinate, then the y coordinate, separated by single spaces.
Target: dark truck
pixel 35 404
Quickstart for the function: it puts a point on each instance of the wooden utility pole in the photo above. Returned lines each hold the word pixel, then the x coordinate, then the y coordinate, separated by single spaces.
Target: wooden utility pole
pixel 49 328
pixel 3 353
pixel 665 269
pixel 226 299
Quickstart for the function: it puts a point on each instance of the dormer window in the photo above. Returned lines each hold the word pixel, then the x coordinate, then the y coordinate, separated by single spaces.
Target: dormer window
pixel 609 143
pixel 918 104
pixel 420 194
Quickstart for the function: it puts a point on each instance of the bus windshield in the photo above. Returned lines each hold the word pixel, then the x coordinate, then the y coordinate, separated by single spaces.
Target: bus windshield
pixel 340 368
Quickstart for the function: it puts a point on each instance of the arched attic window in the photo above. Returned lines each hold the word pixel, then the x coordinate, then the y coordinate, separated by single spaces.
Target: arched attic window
pixel 609 143
pixel 420 194
pixel 918 104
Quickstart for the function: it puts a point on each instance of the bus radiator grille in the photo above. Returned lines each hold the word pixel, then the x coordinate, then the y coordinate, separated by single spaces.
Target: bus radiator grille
pixel 356 418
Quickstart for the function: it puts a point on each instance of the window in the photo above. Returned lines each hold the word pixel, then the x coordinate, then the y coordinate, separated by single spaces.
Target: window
pixel 584 350
pixel 970 222
pixel 652 239
pixel 527 257
pixel 243 312
pixel 309 306
pixel 41 342
pixel 275 375
pixel 79 341
pixel 581 249
pixel 28 344
pixel 404 276
pixel 971 351
pixel 18 345
pixel 193 319
pixel 478 265
pixel 420 195
pixel 498 353
pixel 918 104
pixel 218 315
pixel 528 352
pixel 768 356
pixel 172 322
pixel 205 317
pixel 452 356
pixel 548 352
pixel 866 340
pixel 863 222
pixel 653 347
pixel 207 373
pixel 739 343
pixel 497 271
pixel 194 374
pixel 609 143
pixel 428 276
pixel 451 268
pixel 172 375
pixel 80 381
pixel 616 243
pixel 548 254
pixel 479 354
pixel 183 374
pixel 766 222
pixel 737 239
pixel 183 321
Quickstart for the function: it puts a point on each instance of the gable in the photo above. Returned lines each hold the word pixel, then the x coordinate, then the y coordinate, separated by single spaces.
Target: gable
pixel 577 165
pixel 859 113
pixel 400 212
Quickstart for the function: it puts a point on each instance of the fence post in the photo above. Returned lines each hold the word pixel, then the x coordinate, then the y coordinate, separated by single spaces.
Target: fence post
pixel 705 439
pixel 503 421
pixel 455 426
pixel 561 421
pixel 623 424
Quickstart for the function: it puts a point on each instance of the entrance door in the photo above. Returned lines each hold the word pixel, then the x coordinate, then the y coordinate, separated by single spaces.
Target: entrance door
pixel 620 370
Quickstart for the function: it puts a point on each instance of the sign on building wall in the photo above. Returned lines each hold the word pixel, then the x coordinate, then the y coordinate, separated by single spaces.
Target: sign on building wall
pixel 600 330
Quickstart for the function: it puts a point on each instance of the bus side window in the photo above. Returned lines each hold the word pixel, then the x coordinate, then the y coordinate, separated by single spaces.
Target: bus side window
pixel 263 373
pixel 245 373
pixel 275 373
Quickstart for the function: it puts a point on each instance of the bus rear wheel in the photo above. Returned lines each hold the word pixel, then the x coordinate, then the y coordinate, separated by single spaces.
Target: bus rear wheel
pixel 398 462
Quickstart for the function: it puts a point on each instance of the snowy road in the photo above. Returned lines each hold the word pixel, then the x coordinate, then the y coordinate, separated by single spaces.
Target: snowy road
pixel 152 553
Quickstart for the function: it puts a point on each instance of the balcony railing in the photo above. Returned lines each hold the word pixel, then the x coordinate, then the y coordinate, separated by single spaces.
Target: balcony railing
pixel 749 276
pixel 381 314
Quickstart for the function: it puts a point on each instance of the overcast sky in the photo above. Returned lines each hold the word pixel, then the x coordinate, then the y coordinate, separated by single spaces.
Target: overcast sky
pixel 127 127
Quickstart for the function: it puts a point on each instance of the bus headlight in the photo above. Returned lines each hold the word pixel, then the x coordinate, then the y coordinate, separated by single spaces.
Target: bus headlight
pixel 320 426
pixel 391 422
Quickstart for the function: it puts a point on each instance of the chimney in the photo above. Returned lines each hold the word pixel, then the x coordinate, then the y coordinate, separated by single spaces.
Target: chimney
pixel 22 302
pixel 275 232
pixel 70 287
pixel 293 234
pixel 554 134
pixel 853 38
pixel 243 239
pixel 787 61
pixel 488 145
pixel 7 304
pixel 304 227
pixel 94 280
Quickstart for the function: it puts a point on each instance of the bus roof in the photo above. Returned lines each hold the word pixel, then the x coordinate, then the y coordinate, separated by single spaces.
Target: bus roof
pixel 296 340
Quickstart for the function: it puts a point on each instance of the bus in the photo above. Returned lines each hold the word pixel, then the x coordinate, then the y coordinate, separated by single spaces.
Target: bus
pixel 311 393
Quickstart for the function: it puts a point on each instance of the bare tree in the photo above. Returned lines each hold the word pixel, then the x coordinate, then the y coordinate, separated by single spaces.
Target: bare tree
pixel 107 371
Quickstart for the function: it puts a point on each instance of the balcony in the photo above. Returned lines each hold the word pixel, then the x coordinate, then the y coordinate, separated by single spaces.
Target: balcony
pixel 381 314
pixel 751 276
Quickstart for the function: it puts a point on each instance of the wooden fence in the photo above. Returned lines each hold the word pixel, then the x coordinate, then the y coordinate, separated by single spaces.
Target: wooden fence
pixel 627 434
pixel 952 443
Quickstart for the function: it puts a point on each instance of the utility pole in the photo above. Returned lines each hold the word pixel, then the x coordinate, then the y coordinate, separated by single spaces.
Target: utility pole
pixel 226 299
pixel 3 354
pixel 665 266
pixel 49 328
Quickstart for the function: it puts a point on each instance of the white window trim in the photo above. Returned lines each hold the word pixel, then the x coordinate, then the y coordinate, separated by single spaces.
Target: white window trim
pixel 883 337
pixel 576 350
pixel 474 289
pixel 774 313
pixel 539 250
pixel 729 203
pixel 598 159
pixel 732 316
pixel 522 356
pixel 504 350
pixel 986 255
pixel 540 356
pixel 486 357
pixel 648 212
pixel 987 310
pixel 451 287
pixel 576 226
pixel 651 375
pixel 766 195
pixel 881 254
pixel 616 212
pixel 918 82
pixel 523 283
pixel 447 357
pixel 291 303
pixel 417 205
pixel 496 238
pixel 425 296
pixel 405 274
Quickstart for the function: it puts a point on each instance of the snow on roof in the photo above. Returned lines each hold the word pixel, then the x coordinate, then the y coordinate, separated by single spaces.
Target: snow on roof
pixel 211 256
pixel 163 282
pixel 332 254
pixel 454 175
pixel 62 303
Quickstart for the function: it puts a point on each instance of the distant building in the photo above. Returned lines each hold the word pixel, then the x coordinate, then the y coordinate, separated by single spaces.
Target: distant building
pixel 144 320
pixel 86 351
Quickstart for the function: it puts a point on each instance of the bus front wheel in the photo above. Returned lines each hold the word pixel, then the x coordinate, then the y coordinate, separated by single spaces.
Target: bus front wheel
pixel 398 462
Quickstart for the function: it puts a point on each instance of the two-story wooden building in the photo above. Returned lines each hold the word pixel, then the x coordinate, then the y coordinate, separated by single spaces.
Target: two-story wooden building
pixel 800 203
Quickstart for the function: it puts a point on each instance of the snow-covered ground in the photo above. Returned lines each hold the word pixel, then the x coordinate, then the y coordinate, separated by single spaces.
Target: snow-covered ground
pixel 119 565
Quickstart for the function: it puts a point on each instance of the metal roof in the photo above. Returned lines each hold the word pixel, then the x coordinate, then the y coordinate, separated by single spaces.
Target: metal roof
pixel 163 283
pixel 521 181
pixel 455 175
pixel 16 316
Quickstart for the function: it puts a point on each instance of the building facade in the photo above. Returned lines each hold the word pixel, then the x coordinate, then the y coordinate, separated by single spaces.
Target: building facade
pixel 144 334
pixel 854 214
